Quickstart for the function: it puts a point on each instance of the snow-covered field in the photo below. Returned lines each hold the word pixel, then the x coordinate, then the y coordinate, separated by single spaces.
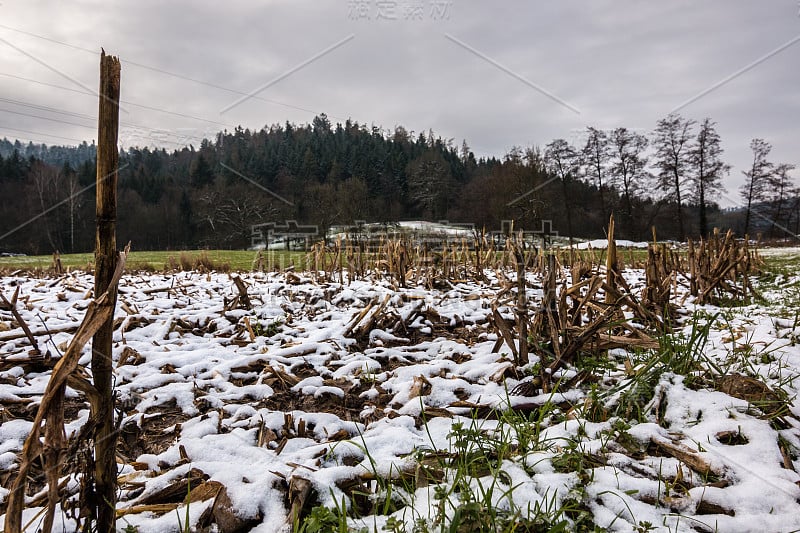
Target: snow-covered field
pixel 277 406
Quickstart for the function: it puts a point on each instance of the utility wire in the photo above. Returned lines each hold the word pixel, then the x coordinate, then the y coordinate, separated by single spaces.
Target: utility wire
pixel 45 108
pixel 48 39
pixel 91 127
pixel 168 73
pixel 40 133
pixel 184 138
pixel 50 144
pixel 134 104
pixel 47 118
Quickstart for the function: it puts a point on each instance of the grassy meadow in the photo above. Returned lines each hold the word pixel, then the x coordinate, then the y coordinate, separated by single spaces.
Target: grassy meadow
pixel 235 260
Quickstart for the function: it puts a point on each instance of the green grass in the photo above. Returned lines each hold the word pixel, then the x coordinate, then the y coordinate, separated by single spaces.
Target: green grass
pixel 238 260
pixel 780 275
pixel 468 487
pixel 786 265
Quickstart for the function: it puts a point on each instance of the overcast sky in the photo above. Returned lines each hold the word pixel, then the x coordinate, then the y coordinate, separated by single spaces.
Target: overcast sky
pixel 499 74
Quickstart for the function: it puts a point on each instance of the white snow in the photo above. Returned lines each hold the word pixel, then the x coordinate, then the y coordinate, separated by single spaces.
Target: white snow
pixel 198 359
pixel 602 244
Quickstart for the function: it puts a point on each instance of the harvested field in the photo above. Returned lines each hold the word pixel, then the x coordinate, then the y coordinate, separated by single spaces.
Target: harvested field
pixel 309 401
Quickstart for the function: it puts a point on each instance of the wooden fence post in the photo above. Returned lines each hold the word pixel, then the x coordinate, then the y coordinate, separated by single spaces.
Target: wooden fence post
pixel 105 468
pixel 612 266
pixel 522 301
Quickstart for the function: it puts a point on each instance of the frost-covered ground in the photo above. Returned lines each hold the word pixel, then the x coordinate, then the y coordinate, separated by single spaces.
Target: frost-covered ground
pixel 278 406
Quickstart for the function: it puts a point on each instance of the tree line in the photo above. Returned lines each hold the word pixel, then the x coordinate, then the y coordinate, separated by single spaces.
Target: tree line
pixel 328 175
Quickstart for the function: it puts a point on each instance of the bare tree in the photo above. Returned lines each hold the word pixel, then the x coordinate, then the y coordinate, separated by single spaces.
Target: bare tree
pixel 74 203
pixel 323 206
pixel 794 211
pixel 707 169
pixel 782 190
pixel 595 156
pixel 355 200
pixel 523 181
pixel 758 178
pixel 430 184
pixel 45 181
pixel 231 213
pixel 562 160
pixel 672 143
pixel 628 167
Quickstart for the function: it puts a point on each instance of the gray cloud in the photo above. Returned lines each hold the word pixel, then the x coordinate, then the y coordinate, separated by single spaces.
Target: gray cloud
pixel 620 62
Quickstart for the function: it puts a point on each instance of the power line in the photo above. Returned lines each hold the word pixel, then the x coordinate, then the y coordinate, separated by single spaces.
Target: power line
pixel 50 144
pixel 45 108
pixel 128 124
pixel 51 68
pixel 48 39
pixel 227 89
pixel 46 118
pixel 168 73
pixel 40 133
pixel 134 104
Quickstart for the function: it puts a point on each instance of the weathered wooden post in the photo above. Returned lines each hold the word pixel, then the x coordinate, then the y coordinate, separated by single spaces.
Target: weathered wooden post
pixel 612 266
pixel 105 472
pixel 522 302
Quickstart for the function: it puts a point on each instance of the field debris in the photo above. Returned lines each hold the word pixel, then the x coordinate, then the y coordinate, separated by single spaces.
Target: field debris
pixel 504 387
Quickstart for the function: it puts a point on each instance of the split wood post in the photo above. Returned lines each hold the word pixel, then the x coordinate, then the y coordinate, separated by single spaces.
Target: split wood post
pixel 611 261
pixel 551 324
pixel 105 470
pixel 50 412
pixel 522 303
